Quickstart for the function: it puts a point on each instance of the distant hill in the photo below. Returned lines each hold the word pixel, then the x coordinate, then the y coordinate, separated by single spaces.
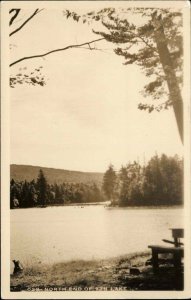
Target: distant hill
pixel 25 172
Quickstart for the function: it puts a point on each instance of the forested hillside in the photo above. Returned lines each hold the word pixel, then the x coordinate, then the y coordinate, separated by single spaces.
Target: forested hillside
pixel 58 176
pixel 159 182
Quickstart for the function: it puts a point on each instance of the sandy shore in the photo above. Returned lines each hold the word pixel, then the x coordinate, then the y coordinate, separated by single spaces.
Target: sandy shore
pixel 108 274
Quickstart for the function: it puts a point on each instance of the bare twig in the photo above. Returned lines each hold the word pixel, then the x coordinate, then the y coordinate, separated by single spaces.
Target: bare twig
pixel 53 51
pixel 25 22
pixel 96 49
pixel 146 43
pixel 143 40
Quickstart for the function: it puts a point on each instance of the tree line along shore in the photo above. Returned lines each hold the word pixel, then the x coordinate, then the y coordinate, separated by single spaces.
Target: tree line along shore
pixel 159 182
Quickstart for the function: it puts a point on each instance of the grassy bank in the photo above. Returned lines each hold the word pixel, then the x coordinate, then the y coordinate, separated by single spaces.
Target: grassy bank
pixel 107 274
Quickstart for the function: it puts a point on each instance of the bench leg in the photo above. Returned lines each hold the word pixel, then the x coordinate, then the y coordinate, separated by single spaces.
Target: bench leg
pixel 177 261
pixel 155 260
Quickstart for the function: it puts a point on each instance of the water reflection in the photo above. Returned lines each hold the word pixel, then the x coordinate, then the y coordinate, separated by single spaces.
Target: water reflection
pixel 57 234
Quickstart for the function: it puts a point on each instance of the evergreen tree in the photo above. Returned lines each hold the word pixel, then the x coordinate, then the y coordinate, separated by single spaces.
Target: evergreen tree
pixel 172 178
pixel 96 194
pixel 110 183
pixel 156 45
pixel 164 181
pixel 13 193
pixel 130 184
pixel 32 194
pixel 153 185
pixel 123 186
pixel 24 194
pixel 42 188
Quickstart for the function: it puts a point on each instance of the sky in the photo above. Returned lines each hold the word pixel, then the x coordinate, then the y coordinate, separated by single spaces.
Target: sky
pixel 86 115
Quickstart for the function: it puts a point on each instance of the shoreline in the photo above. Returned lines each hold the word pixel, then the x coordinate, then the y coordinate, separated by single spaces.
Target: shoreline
pixel 126 272
pixel 105 205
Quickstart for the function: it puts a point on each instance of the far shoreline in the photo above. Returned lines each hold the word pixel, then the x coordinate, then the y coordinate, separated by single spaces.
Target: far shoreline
pixel 105 206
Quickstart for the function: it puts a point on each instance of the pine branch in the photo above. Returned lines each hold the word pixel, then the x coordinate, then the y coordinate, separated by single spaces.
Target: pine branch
pixel 124 39
pixel 146 43
pixel 136 35
pixel 53 51
pixel 25 22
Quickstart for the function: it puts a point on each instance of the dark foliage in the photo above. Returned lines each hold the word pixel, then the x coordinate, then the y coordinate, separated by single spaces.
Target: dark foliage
pixel 40 193
pixel 32 78
pixel 160 182
pixel 110 183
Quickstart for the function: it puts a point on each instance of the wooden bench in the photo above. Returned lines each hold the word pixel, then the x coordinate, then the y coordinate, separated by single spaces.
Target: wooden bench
pixel 177 251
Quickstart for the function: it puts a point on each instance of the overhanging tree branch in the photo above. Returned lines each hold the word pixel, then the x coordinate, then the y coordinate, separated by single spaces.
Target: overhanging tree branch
pixel 25 22
pixel 137 36
pixel 53 51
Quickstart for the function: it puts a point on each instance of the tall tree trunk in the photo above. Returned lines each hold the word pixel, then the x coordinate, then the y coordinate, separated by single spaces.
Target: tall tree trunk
pixel 166 61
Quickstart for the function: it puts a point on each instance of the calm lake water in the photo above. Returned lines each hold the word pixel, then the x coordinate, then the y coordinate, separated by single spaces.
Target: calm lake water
pixel 56 234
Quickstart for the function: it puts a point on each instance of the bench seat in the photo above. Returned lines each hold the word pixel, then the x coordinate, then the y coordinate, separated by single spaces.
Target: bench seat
pixel 165 249
pixel 178 253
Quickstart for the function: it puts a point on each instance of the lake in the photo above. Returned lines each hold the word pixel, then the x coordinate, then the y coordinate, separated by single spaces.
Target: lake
pixel 53 234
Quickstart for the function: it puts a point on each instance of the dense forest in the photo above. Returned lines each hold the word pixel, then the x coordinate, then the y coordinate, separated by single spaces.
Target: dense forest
pixel 159 182
pixel 40 193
